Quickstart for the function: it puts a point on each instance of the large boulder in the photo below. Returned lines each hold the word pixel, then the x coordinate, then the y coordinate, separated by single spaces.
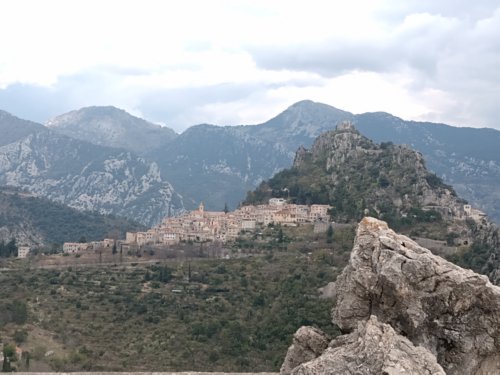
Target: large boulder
pixel 452 312
pixel 373 348
pixel 308 343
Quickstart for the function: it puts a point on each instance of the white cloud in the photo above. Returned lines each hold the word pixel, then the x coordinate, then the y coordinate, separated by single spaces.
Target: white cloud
pixel 185 62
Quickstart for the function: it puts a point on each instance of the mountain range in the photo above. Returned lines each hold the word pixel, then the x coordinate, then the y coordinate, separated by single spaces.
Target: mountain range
pixel 83 175
pixel 217 164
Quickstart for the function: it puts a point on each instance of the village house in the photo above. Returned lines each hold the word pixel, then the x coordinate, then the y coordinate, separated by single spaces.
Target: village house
pixel 319 212
pixel 23 251
pixel 74 247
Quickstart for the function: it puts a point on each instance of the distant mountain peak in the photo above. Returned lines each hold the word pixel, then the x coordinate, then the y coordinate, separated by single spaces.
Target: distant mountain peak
pixel 309 105
pixel 111 126
pixel 93 113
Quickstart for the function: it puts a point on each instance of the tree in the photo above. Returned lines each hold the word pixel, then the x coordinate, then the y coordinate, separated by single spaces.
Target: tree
pixel 82 239
pixel 9 355
pixel 6 364
pixel 114 251
pixel 280 238
pixel 329 234
pixel 226 209
pixel 9 351
pixel 10 249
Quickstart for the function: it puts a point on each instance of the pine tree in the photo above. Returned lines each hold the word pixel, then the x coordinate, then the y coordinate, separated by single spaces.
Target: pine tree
pixel 329 234
pixel 11 248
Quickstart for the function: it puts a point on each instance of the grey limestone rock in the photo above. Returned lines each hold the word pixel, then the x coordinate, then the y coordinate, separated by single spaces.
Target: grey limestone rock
pixel 308 343
pixel 452 312
pixel 373 348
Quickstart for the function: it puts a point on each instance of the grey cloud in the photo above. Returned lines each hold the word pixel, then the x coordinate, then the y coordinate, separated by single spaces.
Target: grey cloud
pixel 177 108
pixel 180 108
pixel 448 28
pixel 39 103
pixel 417 47
pixel 329 59
pixel 454 48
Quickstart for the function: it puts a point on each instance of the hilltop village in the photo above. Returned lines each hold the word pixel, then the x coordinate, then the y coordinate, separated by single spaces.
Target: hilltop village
pixel 219 226
pixel 222 227
pixel 216 226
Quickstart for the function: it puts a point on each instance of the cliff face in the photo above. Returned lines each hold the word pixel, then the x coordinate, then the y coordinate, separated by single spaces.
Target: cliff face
pixel 88 177
pixel 397 297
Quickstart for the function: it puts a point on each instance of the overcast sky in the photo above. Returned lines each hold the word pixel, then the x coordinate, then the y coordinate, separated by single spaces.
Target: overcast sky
pixel 182 63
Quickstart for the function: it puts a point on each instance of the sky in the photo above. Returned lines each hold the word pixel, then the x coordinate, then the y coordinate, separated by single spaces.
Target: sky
pixel 181 63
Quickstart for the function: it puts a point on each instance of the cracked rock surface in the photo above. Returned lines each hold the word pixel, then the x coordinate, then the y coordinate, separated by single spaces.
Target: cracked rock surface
pixel 308 343
pixel 373 348
pixel 404 310
pixel 452 312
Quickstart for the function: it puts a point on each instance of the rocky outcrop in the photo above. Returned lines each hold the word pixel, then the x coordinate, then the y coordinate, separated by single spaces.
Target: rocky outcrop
pixel 308 343
pixel 397 302
pixel 89 177
pixel 454 313
pixel 374 348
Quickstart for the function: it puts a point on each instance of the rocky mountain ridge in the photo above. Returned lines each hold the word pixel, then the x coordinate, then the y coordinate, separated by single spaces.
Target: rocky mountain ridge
pixel 88 177
pixel 463 157
pixel 403 309
pixel 219 164
pixel 111 127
